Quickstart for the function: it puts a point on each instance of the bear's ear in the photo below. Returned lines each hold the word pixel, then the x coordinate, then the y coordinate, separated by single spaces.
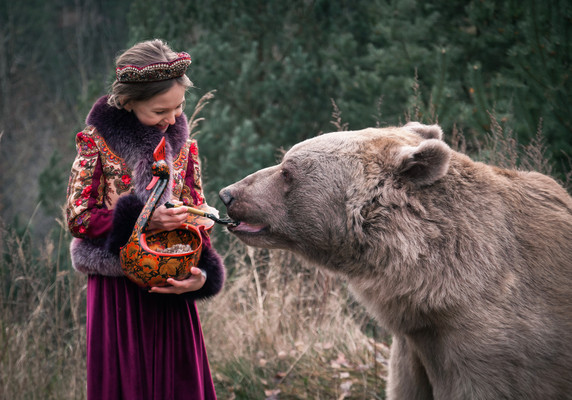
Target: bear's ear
pixel 425 131
pixel 426 163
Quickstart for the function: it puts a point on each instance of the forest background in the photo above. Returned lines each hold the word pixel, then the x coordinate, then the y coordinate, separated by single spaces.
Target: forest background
pixel 492 73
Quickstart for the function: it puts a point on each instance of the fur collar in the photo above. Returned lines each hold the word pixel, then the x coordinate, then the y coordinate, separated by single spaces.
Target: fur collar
pixel 135 142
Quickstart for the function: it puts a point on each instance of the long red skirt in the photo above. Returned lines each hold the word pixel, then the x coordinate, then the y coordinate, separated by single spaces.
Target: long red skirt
pixel 143 346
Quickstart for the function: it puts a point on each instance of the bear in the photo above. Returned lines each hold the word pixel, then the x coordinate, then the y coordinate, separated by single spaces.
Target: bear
pixel 468 266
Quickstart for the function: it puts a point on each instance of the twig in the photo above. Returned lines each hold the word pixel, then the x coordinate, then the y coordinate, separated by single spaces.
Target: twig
pixel 193 120
pixel 337 115
pixel 294 364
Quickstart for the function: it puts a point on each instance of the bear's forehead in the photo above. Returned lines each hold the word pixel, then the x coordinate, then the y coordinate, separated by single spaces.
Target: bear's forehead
pixel 356 142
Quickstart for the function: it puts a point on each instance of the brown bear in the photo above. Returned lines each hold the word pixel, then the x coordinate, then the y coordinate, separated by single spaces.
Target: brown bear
pixel 467 265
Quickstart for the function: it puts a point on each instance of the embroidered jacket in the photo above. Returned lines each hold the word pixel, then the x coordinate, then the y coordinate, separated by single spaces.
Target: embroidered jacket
pixel 107 188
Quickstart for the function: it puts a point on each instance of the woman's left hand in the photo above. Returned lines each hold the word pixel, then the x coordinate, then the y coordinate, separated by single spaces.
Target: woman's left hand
pixel 167 219
pixel 192 283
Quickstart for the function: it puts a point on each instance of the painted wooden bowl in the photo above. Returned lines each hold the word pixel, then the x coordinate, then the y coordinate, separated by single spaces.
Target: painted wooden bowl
pixel 148 258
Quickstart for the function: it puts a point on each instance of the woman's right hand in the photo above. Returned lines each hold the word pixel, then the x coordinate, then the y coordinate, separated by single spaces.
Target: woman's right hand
pixel 192 283
pixel 167 219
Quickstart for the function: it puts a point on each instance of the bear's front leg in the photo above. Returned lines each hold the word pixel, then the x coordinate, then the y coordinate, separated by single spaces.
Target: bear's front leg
pixel 407 379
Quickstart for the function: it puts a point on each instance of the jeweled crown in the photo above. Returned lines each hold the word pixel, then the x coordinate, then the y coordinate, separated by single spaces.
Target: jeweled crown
pixel 155 72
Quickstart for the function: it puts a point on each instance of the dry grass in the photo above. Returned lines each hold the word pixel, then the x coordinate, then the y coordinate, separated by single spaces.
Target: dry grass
pixel 502 148
pixel 279 330
pixel 282 329
pixel 42 315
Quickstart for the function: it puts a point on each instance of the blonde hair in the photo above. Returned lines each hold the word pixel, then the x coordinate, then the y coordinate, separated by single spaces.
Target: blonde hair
pixel 141 54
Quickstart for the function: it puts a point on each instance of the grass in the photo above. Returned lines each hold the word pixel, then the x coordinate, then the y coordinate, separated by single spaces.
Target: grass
pixel 42 320
pixel 291 332
pixel 280 328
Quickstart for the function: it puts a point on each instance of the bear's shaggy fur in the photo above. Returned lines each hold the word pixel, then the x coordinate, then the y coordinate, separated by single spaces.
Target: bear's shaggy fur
pixel 469 266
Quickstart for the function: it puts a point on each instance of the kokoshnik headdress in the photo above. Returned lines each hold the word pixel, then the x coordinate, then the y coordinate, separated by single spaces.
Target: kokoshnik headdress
pixel 155 72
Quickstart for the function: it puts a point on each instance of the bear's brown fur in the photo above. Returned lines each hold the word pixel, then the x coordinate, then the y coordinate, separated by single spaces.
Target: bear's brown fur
pixel 469 266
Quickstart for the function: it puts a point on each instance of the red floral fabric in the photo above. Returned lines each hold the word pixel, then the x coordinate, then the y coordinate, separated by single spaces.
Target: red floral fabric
pixel 99 177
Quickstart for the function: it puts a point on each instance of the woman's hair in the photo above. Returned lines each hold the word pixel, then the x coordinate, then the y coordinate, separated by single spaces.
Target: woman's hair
pixel 140 55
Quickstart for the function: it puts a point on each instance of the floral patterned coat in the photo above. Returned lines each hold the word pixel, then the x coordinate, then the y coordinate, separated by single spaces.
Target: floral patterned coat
pixel 99 177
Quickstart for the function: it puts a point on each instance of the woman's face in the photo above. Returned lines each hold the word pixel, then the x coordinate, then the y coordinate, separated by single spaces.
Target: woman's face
pixel 161 110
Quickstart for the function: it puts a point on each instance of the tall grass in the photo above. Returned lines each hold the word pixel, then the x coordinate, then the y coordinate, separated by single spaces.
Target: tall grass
pixel 42 320
pixel 283 329
pixel 279 328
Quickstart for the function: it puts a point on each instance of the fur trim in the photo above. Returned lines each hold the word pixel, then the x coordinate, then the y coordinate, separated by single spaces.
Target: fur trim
pixel 90 257
pixel 211 263
pixel 135 142
pixel 125 216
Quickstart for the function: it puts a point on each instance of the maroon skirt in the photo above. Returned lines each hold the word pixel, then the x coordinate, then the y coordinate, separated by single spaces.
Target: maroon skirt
pixel 143 346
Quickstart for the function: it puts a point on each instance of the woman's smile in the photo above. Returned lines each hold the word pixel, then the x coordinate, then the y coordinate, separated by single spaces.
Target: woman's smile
pixel 161 110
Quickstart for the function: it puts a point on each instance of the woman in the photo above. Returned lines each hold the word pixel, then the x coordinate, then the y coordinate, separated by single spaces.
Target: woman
pixel 140 344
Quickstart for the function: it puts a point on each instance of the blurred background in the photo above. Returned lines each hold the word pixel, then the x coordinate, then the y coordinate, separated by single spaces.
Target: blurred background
pixel 496 75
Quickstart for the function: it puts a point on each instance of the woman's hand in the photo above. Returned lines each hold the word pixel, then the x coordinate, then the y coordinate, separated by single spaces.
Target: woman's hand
pixel 167 219
pixel 192 283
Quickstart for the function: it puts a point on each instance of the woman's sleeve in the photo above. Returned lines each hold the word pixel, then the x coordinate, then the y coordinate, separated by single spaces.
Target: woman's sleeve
pixel 192 193
pixel 87 216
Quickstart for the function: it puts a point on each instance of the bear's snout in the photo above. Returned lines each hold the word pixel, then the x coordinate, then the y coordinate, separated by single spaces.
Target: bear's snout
pixel 226 197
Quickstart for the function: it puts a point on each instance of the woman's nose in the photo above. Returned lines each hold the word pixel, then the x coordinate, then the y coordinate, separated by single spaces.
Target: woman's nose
pixel 171 119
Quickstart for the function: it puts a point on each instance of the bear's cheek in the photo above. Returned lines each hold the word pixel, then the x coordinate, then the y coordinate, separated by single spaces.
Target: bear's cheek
pixel 272 212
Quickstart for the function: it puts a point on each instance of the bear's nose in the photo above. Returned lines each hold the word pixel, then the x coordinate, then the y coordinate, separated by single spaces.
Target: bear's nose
pixel 226 197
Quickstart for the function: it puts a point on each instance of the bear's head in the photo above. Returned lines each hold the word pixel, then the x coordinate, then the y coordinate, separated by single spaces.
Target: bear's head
pixel 331 192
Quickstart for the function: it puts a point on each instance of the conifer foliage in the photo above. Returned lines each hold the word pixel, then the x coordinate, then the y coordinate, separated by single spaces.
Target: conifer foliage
pixel 277 67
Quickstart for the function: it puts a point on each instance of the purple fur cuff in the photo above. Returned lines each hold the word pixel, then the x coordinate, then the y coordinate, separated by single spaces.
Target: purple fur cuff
pixel 90 257
pixel 212 264
pixel 125 215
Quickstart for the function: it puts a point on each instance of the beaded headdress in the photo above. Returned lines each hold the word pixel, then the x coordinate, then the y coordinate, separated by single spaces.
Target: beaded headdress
pixel 155 72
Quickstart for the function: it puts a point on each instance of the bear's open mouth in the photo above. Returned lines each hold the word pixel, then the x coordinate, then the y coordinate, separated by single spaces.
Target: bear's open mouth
pixel 244 227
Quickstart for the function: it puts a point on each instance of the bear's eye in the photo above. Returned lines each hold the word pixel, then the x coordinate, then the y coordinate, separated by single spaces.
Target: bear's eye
pixel 286 175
